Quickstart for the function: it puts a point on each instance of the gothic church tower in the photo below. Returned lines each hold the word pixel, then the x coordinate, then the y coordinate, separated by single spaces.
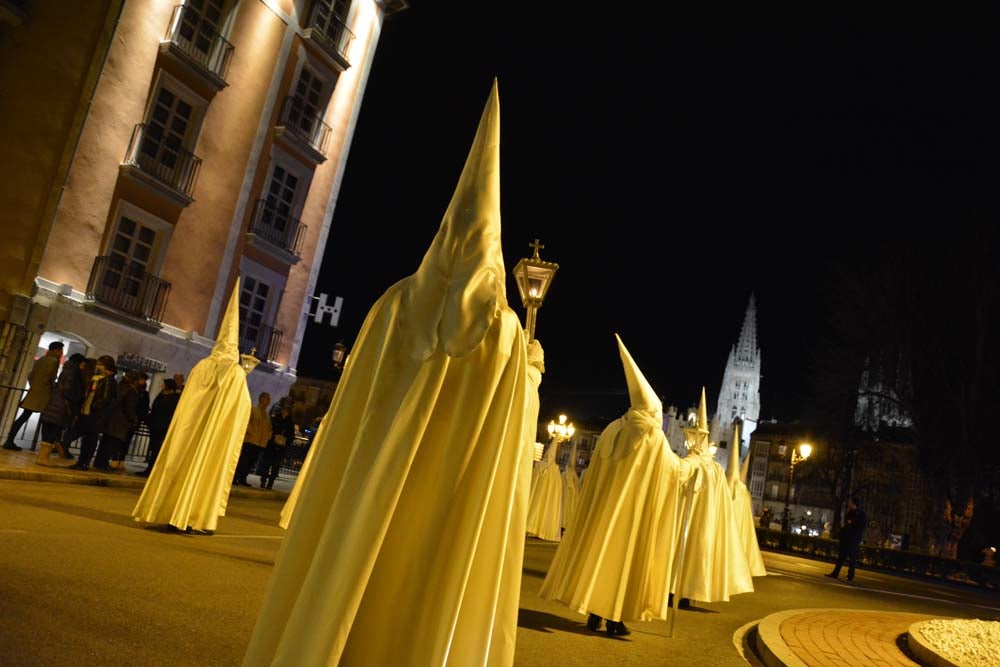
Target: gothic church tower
pixel 740 393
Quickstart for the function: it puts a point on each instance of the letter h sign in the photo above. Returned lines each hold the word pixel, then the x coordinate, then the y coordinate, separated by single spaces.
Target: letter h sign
pixel 322 309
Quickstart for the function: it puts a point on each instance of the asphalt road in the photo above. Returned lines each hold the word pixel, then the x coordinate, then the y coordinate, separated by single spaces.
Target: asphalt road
pixel 82 584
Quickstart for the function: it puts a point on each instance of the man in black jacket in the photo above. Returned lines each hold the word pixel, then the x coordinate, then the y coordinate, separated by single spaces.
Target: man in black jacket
pixel 851 535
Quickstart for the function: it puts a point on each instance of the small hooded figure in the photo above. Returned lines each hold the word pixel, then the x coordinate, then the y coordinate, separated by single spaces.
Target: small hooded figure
pixel 743 506
pixel 189 484
pixel 616 558
pixel 412 507
pixel 545 504
pixel 715 565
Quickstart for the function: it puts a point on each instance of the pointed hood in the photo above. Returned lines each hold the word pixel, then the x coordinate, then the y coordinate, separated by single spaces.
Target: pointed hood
pixel 640 393
pixel 745 468
pixel 227 343
pixel 697 437
pixel 460 287
pixel 732 469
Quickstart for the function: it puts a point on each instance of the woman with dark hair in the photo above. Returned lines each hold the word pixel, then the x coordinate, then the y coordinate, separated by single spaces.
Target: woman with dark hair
pixel 160 415
pixel 122 420
pixel 101 393
pixel 282 435
pixel 61 410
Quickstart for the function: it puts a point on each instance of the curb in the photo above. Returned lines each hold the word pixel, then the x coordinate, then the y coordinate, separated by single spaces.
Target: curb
pixel 771 648
pixel 118 480
pixel 923 651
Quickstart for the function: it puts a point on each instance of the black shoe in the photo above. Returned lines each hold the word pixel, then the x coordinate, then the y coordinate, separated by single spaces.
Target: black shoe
pixel 832 575
pixel 594 622
pixel 79 466
pixel 11 446
pixel 104 469
pixel 617 629
pixel 684 604
pixel 850 579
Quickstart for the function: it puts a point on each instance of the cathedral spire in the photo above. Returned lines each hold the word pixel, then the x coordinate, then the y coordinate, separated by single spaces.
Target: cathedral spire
pixel 746 348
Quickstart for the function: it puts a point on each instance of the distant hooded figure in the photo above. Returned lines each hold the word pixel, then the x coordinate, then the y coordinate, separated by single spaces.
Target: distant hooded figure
pixel 190 481
pixel 571 489
pixel 412 509
pixel 616 558
pixel 743 506
pixel 545 505
pixel 714 561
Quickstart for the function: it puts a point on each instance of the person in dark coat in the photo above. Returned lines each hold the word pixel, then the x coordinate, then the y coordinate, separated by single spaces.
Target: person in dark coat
pixel 101 393
pixel 282 436
pixel 64 403
pixel 41 380
pixel 122 421
pixel 851 536
pixel 160 415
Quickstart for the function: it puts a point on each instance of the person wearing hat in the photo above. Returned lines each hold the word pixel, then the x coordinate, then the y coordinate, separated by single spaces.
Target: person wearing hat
pixel 41 380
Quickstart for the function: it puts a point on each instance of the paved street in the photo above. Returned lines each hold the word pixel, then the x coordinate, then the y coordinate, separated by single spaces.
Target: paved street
pixel 82 584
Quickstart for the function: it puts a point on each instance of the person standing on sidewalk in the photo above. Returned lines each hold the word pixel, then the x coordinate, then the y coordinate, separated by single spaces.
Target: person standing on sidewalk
pixel 850 538
pixel 58 415
pixel 160 415
pixel 282 435
pixel 102 392
pixel 258 434
pixel 41 380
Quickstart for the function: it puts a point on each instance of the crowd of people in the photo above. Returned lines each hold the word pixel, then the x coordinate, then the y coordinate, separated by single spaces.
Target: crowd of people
pixel 91 402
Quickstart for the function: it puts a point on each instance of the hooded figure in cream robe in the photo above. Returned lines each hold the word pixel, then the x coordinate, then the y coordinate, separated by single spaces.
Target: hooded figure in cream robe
pixel 714 564
pixel 571 489
pixel 412 510
pixel 545 505
pixel 190 482
pixel 743 506
pixel 616 558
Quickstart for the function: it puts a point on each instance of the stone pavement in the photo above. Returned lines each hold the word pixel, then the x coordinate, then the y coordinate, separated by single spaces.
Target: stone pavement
pixel 21 466
pixel 791 638
pixel 835 638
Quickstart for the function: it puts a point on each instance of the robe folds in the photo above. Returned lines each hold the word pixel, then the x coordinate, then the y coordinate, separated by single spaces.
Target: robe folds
pixel 743 513
pixel 190 482
pixel 545 506
pixel 412 511
pixel 616 558
pixel 714 562
pixel 571 492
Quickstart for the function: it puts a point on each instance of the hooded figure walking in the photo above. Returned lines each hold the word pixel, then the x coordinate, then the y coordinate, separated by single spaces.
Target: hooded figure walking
pixel 189 484
pixel 413 505
pixel 617 556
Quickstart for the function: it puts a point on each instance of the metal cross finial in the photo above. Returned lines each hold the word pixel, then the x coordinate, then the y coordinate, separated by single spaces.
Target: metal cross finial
pixel 537 245
pixel 253 351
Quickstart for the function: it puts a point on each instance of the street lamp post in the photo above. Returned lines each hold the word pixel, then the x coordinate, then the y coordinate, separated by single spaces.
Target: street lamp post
pixel 560 431
pixel 534 276
pixel 799 454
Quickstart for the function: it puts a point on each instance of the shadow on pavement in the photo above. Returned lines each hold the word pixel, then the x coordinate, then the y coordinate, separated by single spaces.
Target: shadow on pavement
pixel 541 621
pixel 83 512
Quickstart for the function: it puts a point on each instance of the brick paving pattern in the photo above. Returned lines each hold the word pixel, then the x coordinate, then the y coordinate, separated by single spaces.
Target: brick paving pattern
pixel 849 638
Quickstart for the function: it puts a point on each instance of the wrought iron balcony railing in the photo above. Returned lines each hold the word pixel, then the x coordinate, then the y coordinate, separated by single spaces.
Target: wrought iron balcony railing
pixel 305 125
pixel 127 287
pixel 277 228
pixel 262 339
pixel 331 32
pixel 163 158
pixel 196 36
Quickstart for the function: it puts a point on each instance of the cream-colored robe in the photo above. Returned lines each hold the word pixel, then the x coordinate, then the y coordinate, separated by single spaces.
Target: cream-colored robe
pixel 190 482
pixel 406 540
pixel 571 490
pixel 545 505
pixel 714 563
pixel 745 527
pixel 616 558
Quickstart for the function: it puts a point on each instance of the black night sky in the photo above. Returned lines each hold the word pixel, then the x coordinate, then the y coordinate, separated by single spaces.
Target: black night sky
pixel 671 165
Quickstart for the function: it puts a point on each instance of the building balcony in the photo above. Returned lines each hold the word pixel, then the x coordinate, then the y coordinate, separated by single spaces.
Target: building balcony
pixel 302 130
pixel 161 164
pixel 262 341
pixel 275 233
pixel 127 292
pixel 330 37
pixel 192 41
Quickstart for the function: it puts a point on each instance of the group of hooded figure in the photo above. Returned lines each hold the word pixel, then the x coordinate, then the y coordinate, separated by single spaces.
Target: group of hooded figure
pixel 415 495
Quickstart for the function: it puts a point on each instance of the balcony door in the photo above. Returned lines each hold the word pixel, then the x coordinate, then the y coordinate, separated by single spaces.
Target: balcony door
pixel 168 131
pixel 130 257
pixel 331 16
pixel 255 297
pixel 200 23
pixel 308 103
pixel 280 205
